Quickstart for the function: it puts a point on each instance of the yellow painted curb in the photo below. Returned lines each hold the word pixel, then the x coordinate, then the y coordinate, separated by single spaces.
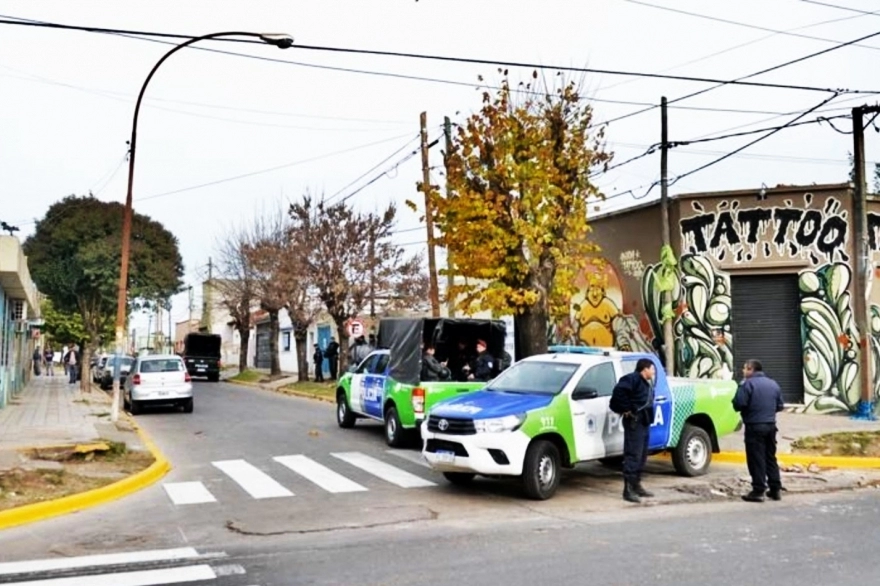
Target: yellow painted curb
pixel 91 498
pixel 805 460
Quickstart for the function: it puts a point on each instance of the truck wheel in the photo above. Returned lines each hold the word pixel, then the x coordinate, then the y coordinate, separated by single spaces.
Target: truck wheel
pixel 213 378
pixel 344 417
pixel 541 470
pixel 693 454
pixel 459 478
pixel 395 434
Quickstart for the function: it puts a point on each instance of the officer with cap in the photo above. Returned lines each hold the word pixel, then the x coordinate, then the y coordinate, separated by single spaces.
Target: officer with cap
pixel 484 364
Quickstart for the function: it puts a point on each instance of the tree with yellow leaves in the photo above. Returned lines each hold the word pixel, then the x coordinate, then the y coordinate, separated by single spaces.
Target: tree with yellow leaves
pixel 514 220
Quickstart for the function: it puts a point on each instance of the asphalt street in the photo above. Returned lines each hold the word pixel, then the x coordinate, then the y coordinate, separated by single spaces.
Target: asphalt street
pixel 266 489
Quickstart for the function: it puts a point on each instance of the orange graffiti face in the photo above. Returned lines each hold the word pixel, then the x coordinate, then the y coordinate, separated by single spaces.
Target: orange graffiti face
pixel 595 294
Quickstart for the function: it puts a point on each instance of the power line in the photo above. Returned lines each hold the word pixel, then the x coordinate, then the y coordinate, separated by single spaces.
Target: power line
pixel 847 8
pixel 480 61
pixel 384 173
pixel 371 169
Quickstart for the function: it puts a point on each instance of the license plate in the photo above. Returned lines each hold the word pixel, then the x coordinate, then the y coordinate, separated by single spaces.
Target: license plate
pixel 445 456
pixel 201 369
pixel 163 393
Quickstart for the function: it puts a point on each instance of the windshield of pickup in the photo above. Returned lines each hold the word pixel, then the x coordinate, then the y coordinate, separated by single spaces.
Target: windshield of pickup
pixel 540 378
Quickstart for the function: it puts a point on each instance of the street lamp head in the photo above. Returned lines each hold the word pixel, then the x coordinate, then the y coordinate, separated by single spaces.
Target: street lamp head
pixel 281 41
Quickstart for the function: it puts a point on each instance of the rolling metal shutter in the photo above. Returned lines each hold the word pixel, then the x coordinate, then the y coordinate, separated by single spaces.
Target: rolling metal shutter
pixel 766 325
pixel 263 355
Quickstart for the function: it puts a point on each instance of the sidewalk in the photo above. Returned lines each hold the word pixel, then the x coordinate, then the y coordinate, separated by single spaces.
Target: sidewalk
pixel 793 426
pixel 51 412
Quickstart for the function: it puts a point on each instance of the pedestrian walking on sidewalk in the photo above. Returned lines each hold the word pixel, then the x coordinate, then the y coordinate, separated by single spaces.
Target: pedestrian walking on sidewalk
pixel 758 399
pixel 49 357
pixel 633 399
pixel 38 361
pixel 72 364
pixel 64 357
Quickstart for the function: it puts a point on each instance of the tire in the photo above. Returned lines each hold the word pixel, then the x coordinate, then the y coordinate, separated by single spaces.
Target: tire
pixel 344 417
pixel 541 470
pixel 395 434
pixel 213 378
pixel 693 454
pixel 613 462
pixel 134 407
pixel 459 478
pixel 188 406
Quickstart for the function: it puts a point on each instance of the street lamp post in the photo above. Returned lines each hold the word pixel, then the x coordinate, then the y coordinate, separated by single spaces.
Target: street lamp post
pixel 280 41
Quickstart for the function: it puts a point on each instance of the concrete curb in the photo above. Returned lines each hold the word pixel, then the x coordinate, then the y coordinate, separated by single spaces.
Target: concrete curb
pixel 805 460
pixel 301 394
pixel 91 498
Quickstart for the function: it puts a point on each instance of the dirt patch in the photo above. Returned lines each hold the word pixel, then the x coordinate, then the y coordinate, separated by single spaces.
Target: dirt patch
pixel 51 473
pixel 848 443
pixel 312 389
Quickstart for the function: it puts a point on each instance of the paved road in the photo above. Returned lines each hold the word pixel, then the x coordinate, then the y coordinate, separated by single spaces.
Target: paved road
pixel 267 490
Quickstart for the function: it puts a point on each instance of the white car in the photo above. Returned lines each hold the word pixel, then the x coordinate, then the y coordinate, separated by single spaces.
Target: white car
pixel 158 380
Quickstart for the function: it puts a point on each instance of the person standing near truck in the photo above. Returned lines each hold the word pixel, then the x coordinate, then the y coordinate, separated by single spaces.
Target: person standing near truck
pixel 758 399
pixel 633 399
pixel 318 359
pixel 332 356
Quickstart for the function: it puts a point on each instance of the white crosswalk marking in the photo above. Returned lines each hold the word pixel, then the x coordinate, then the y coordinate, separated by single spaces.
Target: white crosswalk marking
pixel 88 561
pixel 188 493
pixel 141 578
pixel 253 480
pixel 415 458
pixel 380 469
pixel 319 474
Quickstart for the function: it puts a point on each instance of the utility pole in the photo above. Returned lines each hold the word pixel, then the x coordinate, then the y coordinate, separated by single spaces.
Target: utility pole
pixel 429 220
pixel 666 297
pixel 372 254
pixel 862 271
pixel 450 277
pixel 189 323
pixel 207 296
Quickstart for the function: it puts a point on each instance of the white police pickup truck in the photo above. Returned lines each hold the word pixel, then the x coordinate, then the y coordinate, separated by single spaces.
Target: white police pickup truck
pixel 551 411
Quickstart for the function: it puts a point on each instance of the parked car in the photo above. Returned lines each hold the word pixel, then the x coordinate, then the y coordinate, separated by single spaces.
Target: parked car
pixel 159 379
pixel 387 386
pixel 201 354
pixel 97 366
pixel 551 411
pixel 105 375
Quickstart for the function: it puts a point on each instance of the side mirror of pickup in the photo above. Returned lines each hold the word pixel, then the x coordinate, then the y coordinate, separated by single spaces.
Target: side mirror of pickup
pixel 583 393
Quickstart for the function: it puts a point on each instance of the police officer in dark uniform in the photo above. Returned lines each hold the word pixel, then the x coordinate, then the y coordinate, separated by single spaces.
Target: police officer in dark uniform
pixel 318 359
pixel 483 365
pixel 636 390
pixel 759 399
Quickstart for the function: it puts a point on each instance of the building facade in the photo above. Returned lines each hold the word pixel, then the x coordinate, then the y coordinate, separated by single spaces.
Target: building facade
pixel 764 274
pixel 19 307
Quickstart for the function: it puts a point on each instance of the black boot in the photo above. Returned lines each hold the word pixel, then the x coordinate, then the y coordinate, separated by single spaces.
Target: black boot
pixel 756 496
pixel 774 494
pixel 640 490
pixel 629 493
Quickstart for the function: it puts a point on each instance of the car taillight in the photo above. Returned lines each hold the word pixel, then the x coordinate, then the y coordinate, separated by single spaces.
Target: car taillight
pixel 418 401
pixel 136 379
pixel 187 377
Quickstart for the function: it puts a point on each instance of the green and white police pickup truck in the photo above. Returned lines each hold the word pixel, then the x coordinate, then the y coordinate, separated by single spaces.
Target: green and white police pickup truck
pixel 551 411
pixel 387 385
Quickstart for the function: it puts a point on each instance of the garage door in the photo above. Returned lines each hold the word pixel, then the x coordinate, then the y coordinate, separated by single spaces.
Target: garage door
pixel 766 325
pixel 263 357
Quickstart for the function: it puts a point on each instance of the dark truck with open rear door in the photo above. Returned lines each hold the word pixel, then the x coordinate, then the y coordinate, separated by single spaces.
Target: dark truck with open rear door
pixel 201 355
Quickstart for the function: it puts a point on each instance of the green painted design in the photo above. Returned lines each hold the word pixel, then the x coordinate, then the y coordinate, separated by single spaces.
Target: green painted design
pixel 554 418
pixel 685 401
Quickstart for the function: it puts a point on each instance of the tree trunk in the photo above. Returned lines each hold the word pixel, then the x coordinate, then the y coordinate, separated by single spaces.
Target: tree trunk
pixel 245 335
pixel 274 332
pixel 343 345
pixel 531 332
pixel 300 337
pixel 85 383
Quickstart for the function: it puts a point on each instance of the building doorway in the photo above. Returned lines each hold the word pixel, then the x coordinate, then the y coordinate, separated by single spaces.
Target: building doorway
pixel 766 325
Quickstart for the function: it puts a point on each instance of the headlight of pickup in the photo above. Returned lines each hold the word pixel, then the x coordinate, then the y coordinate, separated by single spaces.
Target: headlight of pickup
pixel 499 424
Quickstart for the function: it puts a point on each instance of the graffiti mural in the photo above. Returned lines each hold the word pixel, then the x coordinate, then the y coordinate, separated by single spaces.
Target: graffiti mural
pixel 703 341
pixel 744 235
pixel 830 339
pixel 875 351
pixel 599 318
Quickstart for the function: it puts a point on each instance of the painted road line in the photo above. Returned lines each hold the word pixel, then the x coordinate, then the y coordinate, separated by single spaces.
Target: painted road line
pixel 257 483
pixel 90 561
pixel 319 474
pixel 386 472
pixel 415 458
pixel 188 493
pixel 141 578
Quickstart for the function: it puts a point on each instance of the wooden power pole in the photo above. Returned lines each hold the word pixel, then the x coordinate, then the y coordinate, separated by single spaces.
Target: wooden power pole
pixel 450 277
pixel 666 298
pixel 862 271
pixel 429 220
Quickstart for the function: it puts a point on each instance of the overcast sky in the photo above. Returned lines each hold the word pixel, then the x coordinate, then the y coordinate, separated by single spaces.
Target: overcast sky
pixel 222 137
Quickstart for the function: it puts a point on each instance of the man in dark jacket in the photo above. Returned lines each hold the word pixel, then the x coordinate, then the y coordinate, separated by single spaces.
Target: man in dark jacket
pixel 318 359
pixel 636 390
pixel 332 356
pixel 758 399
pixel 484 365
pixel 432 370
